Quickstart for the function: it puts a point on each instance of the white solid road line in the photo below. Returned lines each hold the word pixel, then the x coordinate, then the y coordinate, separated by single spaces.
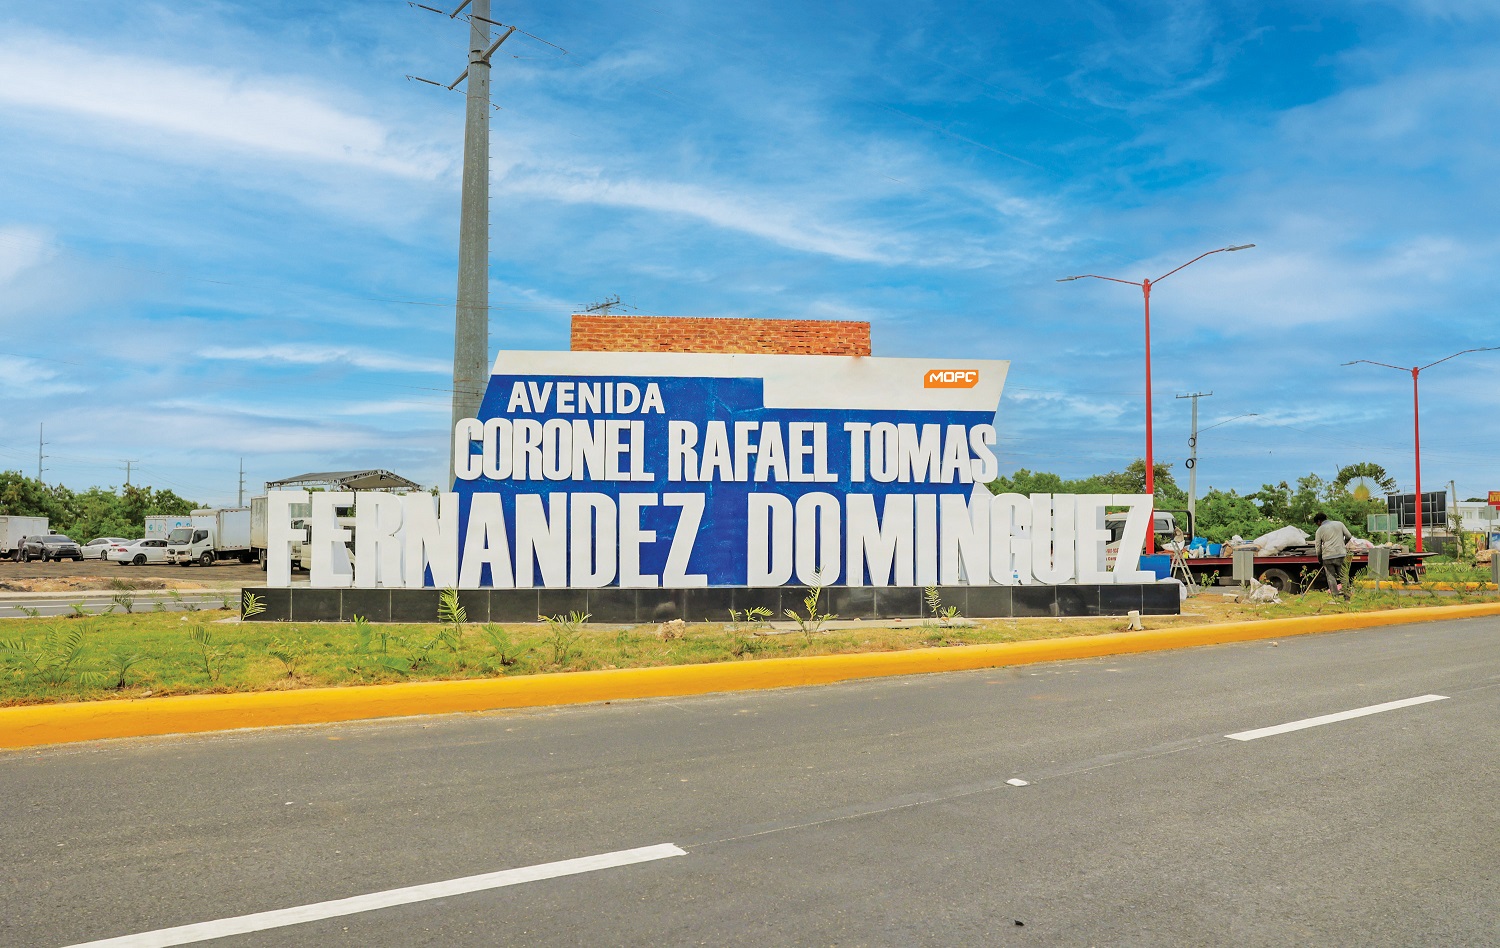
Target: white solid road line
pixel 280 918
pixel 1331 718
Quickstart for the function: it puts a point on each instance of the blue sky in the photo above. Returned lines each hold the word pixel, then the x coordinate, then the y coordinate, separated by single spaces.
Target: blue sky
pixel 229 229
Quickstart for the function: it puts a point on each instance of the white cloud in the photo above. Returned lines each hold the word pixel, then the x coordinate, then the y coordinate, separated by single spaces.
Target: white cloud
pixel 1145 62
pixel 1452 9
pixel 21 377
pixel 394 406
pixel 266 115
pixel 314 354
pixel 22 249
pixel 775 222
pixel 1057 404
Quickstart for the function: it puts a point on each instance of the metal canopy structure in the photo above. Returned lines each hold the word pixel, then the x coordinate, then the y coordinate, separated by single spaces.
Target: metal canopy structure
pixel 349 480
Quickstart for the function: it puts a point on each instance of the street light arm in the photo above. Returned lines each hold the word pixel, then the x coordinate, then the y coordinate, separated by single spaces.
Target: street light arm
pixel 1398 368
pixel 1457 354
pixel 1095 276
pixel 1200 257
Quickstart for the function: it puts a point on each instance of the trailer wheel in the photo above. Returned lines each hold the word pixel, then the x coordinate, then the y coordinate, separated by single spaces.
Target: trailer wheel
pixel 1279 578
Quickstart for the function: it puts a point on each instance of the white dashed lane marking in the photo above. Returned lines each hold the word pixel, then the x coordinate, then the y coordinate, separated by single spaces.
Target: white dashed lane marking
pixel 1332 718
pixel 281 918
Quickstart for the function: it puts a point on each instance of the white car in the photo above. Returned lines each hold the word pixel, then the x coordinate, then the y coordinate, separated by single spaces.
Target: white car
pixel 138 552
pixel 99 549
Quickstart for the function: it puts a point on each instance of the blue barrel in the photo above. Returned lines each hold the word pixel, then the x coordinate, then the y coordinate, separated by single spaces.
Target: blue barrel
pixel 1160 564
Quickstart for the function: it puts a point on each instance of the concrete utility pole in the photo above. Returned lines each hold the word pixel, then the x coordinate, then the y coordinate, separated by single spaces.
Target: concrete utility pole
pixel 1192 461
pixel 471 331
pixel 241 501
pixel 40 426
pixel 471 322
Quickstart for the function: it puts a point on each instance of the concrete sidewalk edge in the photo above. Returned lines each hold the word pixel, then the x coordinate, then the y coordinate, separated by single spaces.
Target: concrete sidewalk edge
pixel 34 725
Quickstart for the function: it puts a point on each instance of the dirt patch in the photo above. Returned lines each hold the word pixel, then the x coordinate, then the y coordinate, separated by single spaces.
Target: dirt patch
pixel 92 584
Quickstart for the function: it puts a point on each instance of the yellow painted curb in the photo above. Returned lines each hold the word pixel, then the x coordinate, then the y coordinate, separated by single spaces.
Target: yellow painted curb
pixel 1420 587
pixel 34 725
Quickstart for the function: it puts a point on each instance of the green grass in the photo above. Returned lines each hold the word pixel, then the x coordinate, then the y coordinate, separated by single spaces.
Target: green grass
pixel 41 660
pixel 1444 570
pixel 255 656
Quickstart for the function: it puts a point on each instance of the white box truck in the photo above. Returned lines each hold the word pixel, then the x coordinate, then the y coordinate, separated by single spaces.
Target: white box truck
pixel 159 525
pixel 214 535
pixel 301 552
pixel 15 529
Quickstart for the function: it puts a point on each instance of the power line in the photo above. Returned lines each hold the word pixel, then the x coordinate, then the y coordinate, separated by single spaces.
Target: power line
pixel 18 355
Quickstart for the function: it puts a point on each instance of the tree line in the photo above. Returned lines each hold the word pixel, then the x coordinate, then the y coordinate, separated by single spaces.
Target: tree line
pixel 1223 514
pixel 84 515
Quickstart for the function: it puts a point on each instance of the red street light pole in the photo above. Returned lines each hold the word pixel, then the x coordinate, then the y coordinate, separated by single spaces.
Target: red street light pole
pixel 1145 286
pixel 1416 417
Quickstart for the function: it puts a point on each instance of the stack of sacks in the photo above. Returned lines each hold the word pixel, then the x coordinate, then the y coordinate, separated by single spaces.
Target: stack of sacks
pixel 1278 540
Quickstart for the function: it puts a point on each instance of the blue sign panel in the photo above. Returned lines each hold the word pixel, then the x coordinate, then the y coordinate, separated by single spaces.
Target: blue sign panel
pixel 604 469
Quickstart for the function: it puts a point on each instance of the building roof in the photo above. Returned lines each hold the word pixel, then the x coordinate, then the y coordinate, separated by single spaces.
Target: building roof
pixel 349 480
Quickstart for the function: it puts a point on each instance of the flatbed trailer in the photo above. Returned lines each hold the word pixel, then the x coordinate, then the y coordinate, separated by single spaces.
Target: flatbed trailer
pixel 1290 572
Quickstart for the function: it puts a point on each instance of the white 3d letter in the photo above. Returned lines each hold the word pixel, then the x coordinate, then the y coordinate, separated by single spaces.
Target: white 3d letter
pixel 280 535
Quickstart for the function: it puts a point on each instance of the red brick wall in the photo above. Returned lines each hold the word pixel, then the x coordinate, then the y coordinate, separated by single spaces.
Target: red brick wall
pixel 714 334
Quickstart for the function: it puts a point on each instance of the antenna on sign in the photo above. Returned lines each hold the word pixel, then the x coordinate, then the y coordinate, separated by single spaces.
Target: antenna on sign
pixel 605 305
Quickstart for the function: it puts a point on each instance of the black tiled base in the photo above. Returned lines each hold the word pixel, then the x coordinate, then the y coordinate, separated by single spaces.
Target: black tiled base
pixel 898 602
pixel 1077 600
pixel 407 605
pixel 316 605
pixel 1118 600
pixel 513 605
pixel 371 604
pixel 658 605
pixel 1033 601
pixel 607 605
pixel 711 604
pixel 988 601
pixel 846 602
pixel 276 605
pixel 1161 599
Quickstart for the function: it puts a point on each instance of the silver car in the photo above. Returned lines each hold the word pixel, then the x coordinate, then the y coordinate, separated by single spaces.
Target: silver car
pixel 138 552
pixel 96 549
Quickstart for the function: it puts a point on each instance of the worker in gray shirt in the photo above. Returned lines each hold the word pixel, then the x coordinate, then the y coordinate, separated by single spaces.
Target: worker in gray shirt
pixel 1333 555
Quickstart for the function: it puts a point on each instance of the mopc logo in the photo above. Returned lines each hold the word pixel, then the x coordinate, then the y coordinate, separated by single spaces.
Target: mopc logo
pixel 950 378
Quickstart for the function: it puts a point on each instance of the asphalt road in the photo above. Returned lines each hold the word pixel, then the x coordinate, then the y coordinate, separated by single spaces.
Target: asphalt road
pixel 36 605
pixel 874 813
